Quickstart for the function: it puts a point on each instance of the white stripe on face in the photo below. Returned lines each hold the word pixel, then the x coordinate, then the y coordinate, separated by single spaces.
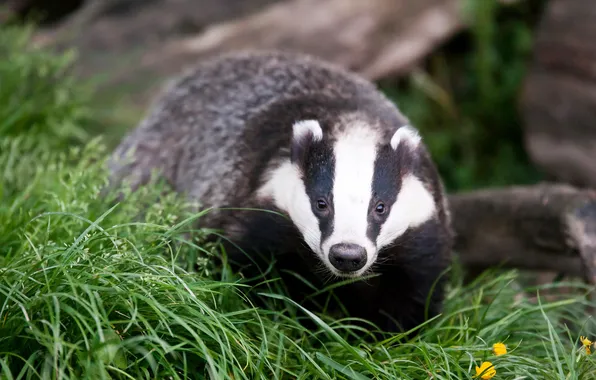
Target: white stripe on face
pixel 286 188
pixel 355 154
pixel 414 205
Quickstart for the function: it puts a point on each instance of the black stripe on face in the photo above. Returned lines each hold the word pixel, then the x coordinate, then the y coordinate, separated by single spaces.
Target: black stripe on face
pixel 385 187
pixel 318 169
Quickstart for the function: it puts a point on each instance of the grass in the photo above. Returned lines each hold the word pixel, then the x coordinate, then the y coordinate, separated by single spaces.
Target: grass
pixel 37 94
pixel 95 290
pixel 89 293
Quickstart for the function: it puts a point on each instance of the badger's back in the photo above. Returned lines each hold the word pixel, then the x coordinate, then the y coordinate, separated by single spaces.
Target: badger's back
pixel 215 129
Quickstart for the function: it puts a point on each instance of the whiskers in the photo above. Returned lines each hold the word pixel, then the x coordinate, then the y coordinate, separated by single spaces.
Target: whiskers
pixel 379 262
pixel 324 273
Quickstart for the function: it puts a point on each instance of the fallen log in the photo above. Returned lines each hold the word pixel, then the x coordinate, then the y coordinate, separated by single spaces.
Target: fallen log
pixel 142 49
pixel 545 227
pixel 376 38
pixel 111 37
pixel 559 99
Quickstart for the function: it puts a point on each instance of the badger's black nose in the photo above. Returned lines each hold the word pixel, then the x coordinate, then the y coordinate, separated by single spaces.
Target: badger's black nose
pixel 347 257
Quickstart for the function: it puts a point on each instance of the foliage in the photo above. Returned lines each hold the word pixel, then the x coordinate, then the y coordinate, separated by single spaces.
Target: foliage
pixel 37 93
pixel 91 290
pixel 465 99
pixel 94 291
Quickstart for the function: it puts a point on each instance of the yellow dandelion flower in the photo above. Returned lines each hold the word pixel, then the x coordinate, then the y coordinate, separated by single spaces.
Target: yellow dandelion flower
pixel 499 349
pixel 587 344
pixel 487 370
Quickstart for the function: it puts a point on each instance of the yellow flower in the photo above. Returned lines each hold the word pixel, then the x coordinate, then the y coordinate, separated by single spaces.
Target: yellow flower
pixel 488 369
pixel 587 343
pixel 499 349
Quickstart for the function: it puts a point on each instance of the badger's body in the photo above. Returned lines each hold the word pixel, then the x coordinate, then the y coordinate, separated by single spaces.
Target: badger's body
pixel 288 133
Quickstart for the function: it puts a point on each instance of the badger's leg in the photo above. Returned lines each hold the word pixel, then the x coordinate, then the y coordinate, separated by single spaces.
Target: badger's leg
pixel 415 276
pixel 395 301
pixel 410 301
pixel 409 288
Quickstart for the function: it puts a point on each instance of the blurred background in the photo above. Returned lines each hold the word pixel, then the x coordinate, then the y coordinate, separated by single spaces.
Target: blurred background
pixel 503 90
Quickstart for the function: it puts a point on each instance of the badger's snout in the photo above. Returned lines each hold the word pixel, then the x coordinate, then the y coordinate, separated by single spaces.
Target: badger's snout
pixel 347 257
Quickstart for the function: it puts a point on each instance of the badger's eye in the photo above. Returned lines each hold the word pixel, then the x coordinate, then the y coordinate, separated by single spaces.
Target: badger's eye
pixel 380 208
pixel 321 204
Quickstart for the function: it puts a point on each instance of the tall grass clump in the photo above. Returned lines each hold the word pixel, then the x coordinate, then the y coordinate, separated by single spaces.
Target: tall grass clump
pixel 37 94
pixel 96 289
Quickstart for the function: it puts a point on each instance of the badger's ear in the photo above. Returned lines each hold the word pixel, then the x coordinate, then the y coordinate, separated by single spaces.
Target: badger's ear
pixel 405 134
pixel 305 133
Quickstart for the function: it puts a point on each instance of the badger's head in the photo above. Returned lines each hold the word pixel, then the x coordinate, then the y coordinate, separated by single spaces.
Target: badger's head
pixel 352 193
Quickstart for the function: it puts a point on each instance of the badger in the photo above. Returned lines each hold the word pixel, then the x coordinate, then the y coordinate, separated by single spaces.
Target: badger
pixel 311 162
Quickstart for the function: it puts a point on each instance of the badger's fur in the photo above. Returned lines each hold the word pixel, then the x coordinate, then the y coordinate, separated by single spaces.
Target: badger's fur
pixel 288 133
